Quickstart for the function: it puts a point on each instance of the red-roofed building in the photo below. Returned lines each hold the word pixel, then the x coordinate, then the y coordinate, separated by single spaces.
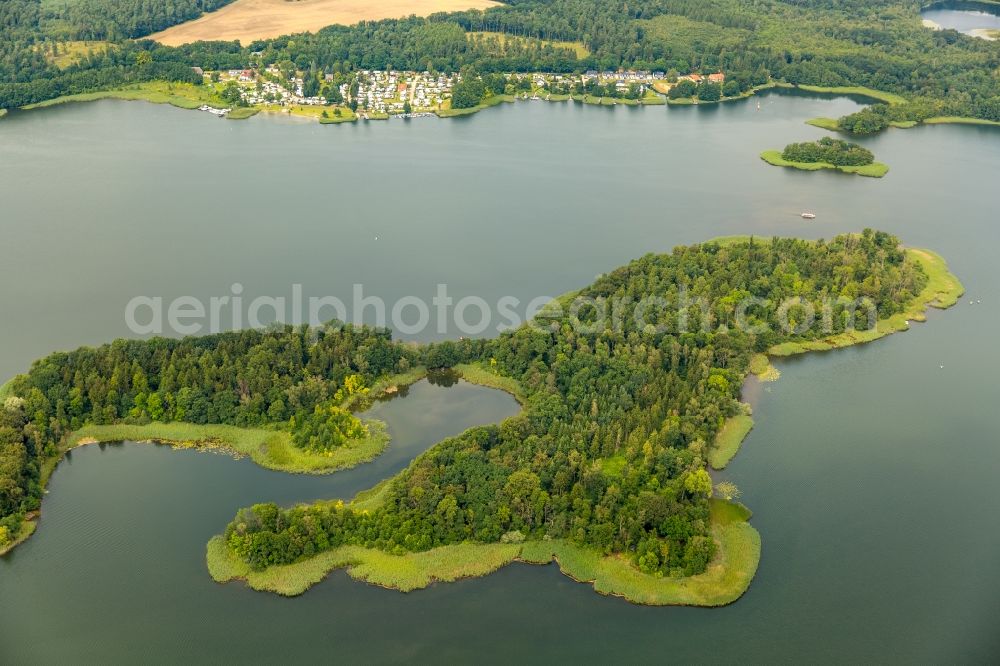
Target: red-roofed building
pixel 717 78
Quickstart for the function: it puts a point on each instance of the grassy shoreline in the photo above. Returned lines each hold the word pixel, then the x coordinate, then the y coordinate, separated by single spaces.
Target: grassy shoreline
pixel 873 170
pixel 271 449
pixel 27 529
pixel 475 373
pixel 728 440
pixel 857 91
pixel 485 104
pixel 725 581
pixel 942 291
pixel 181 95
pixel 960 120
pixel 760 365
pixel 188 96
pixel 833 125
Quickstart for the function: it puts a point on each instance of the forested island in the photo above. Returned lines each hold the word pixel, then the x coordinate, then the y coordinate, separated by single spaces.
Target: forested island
pixel 50 50
pixel 827 153
pixel 604 469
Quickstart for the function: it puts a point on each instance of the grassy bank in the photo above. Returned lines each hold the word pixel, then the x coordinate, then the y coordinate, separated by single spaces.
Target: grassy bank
pixel 346 116
pixel 990 34
pixel 959 120
pixel 833 124
pixel 942 291
pixel 874 170
pixel 448 112
pixel 3 112
pixel 858 91
pixel 27 529
pixel 242 113
pixel 181 95
pixel 311 112
pixel 728 440
pixel 399 572
pixel 479 374
pixel 268 448
pixel 726 579
pixel 189 96
pixel 760 365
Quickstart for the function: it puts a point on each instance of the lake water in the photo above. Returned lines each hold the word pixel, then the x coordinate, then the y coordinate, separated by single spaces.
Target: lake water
pixel 871 471
pixel 964 16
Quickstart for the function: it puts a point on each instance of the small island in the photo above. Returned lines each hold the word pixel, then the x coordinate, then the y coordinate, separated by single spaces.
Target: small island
pixel 827 153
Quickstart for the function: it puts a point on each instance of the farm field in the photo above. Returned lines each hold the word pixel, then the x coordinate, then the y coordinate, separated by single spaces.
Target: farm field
pixel 247 20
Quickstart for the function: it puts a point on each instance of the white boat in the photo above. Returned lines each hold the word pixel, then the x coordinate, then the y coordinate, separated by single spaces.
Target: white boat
pixel 809 216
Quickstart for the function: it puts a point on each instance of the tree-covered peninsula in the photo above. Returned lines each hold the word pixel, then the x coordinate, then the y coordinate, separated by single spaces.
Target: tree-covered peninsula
pixel 827 153
pixel 605 468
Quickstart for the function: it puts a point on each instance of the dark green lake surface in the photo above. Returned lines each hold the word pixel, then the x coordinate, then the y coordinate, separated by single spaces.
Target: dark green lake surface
pixel 871 471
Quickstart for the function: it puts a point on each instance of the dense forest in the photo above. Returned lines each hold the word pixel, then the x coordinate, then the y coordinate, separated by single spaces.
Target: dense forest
pixel 880 44
pixel 609 450
pixel 831 151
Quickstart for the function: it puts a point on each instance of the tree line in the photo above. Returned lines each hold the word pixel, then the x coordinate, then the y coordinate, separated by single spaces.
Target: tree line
pixel 831 151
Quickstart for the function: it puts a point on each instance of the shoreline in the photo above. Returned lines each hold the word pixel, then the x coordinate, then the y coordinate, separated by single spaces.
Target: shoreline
pixel 191 97
pixel 989 34
pixel 258 444
pixel 942 292
pixel 28 527
pixel 609 575
pixel 833 125
pixel 270 449
pixel 728 440
pixel 264 447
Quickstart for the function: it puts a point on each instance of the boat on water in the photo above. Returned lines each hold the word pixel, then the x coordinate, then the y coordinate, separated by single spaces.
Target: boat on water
pixel 809 216
pixel 214 111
